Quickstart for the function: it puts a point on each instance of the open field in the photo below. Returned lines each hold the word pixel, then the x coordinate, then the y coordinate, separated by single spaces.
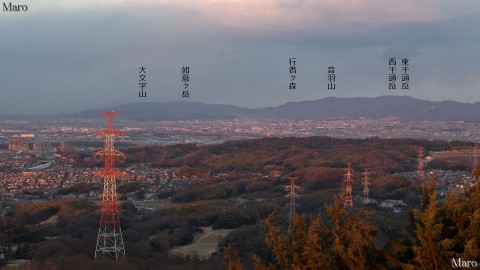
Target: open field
pixel 203 245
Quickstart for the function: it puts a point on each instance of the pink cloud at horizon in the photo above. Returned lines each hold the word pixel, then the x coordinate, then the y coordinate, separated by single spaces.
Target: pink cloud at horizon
pixel 300 14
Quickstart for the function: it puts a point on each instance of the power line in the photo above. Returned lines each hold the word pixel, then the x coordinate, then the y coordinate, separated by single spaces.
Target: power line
pixel 47 226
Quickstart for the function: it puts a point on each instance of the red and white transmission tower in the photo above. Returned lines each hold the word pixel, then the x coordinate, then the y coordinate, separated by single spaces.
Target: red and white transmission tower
pixel 110 240
pixel 365 184
pixel 348 201
pixel 420 174
pixel 292 188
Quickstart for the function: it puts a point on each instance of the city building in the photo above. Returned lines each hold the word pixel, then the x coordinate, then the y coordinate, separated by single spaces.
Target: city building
pixel 17 144
pixel 65 146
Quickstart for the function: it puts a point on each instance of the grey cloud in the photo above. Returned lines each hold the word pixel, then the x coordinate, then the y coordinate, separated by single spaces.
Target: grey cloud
pixel 401 52
pixel 63 62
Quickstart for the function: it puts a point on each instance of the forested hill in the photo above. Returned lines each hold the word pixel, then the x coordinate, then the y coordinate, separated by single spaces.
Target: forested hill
pixel 241 183
pixel 302 156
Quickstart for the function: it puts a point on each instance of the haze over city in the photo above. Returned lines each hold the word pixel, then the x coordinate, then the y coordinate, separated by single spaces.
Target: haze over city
pixel 71 56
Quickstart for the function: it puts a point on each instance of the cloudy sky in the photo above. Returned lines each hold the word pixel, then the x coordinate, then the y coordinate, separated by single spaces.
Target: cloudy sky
pixel 67 56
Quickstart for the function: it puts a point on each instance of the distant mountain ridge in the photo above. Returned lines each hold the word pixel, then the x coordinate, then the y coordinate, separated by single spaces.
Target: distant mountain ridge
pixel 400 107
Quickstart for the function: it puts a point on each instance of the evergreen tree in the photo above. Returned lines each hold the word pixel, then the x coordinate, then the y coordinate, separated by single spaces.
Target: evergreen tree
pixel 232 258
pixel 442 232
pixel 314 246
pixel 432 246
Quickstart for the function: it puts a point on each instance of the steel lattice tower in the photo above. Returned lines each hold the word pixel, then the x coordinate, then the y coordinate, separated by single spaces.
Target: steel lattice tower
pixel 292 188
pixel 110 240
pixel 365 184
pixel 420 174
pixel 348 201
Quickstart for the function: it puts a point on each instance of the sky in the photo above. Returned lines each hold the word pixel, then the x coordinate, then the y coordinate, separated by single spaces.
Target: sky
pixel 75 55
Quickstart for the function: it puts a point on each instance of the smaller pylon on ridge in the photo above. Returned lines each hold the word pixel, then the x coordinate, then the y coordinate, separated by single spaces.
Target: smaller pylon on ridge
pixel 292 188
pixel 365 183
pixel 348 201
pixel 420 173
